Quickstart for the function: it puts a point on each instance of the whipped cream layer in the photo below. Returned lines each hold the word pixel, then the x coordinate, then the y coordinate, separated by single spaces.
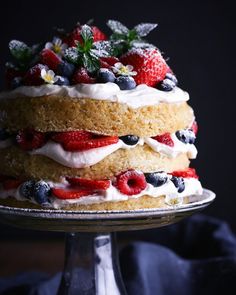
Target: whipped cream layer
pixel 112 194
pixel 140 96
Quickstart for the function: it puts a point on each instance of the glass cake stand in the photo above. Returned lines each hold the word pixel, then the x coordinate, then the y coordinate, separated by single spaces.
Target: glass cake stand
pixel 91 260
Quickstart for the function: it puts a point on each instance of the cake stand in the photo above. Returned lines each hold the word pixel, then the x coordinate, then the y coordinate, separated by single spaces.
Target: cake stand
pixel 91 260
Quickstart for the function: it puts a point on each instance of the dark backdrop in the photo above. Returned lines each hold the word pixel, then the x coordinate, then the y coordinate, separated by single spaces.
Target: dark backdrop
pixel 199 38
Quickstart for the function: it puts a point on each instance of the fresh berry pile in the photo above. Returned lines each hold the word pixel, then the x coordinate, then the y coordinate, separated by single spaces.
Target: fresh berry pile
pixel 87 55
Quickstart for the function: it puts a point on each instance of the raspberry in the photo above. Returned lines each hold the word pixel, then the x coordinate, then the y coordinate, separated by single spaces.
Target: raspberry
pixel 149 64
pixel 131 182
pixel 194 127
pixel 89 183
pixel 165 139
pixel 30 139
pixel 50 58
pixel 33 75
pixel 65 194
pixel 187 173
pixel 11 184
pixel 63 137
pixel 82 76
pixel 90 143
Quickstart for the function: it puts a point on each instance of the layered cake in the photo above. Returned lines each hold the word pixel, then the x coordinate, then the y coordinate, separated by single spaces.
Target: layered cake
pixel 91 122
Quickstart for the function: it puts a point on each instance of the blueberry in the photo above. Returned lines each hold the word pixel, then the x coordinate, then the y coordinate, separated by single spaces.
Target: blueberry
pixel 166 85
pixel 172 78
pixel 156 178
pixel 179 183
pixel 125 82
pixel 186 136
pixel 62 81
pixel 130 139
pixel 105 75
pixel 41 193
pixel 16 82
pixel 65 69
pixel 3 134
pixel 27 188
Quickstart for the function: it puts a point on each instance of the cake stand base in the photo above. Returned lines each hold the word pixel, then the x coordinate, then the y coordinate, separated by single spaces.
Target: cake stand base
pixel 91 260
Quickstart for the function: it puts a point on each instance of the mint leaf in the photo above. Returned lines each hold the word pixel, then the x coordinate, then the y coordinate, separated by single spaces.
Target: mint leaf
pixel 117 27
pixel 141 44
pixel 20 51
pixel 102 48
pixel 144 29
pixel 87 34
pixel 72 55
pixel 90 62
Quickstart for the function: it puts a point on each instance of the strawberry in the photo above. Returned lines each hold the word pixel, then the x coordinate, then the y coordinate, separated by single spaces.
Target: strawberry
pixel 149 64
pixel 194 127
pixel 33 75
pixel 186 173
pixel 82 76
pixel 65 194
pixel 11 184
pixel 63 137
pixel 165 139
pixel 108 61
pixel 30 139
pixel 90 143
pixel 50 58
pixel 89 183
pixel 131 182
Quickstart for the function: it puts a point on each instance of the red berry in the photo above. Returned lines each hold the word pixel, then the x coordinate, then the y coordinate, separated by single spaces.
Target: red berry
pixel 89 183
pixel 98 35
pixel 90 143
pixel 65 194
pixel 108 61
pixel 186 173
pixel 63 137
pixel 82 76
pixel 50 58
pixel 149 64
pixel 131 182
pixel 194 127
pixel 165 139
pixel 30 139
pixel 33 75
pixel 11 184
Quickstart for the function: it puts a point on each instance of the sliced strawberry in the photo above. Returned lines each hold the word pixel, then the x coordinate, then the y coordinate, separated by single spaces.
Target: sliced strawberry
pixel 63 137
pixel 165 139
pixel 89 183
pixel 131 182
pixel 186 173
pixel 11 184
pixel 98 35
pixel 65 194
pixel 29 139
pixel 33 75
pixel 50 58
pixel 82 76
pixel 194 127
pixel 90 143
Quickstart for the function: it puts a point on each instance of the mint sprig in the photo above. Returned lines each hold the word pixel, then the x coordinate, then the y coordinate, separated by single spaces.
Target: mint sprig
pixel 20 51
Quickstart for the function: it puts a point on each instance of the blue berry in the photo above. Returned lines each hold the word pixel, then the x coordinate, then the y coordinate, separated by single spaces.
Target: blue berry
pixel 166 85
pixel 62 81
pixel 178 183
pixel 172 78
pixel 125 82
pixel 130 139
pixel 186 136
pixel 16 82
pixel 156 178
pixel 3 134
pixel 41 193
pixel 27 188
pixel 65 69
pixel 105 75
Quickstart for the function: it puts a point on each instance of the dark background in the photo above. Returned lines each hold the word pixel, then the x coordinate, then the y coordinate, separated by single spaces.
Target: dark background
pixel 199 39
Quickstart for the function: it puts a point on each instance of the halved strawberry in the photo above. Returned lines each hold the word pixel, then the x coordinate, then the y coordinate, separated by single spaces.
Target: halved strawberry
pixel 186 173
pixel 66 194
pixel 63 137
pixel 89 183
pixel 11 184
pixel 29 139
pixel 82 76
pixel 194 127
pixel 165 139
pixel 50 58
pixel 90 143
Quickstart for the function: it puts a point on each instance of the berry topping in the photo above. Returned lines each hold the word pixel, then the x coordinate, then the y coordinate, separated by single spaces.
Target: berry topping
pixel 108 61
pixel 171 77
pixel 65 69
pixel 87 144
pixel 130 182
pixel 4 134
pixel 30 139
pixel 82 76
pixel 125 82
pixel 66 194
pixel 178 183
pixel 186 136
pixel 33 76
pixel 89 183
pixel 64 137
pixel 11 184
pixel 166 85
pixel 42 192
pixel 156 178
pixel 149 64
pixel 27 188
pixel 194 127
pixel 187 173
pixel 62 81
pixel 165 139
pixel 130 139
pixel 50 58
pixel 105 75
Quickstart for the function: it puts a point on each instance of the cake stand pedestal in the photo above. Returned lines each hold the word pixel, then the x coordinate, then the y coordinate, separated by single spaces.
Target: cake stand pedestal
pixel 91 260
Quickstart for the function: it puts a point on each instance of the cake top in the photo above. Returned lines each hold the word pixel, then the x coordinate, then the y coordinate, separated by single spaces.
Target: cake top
pixel 87 56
